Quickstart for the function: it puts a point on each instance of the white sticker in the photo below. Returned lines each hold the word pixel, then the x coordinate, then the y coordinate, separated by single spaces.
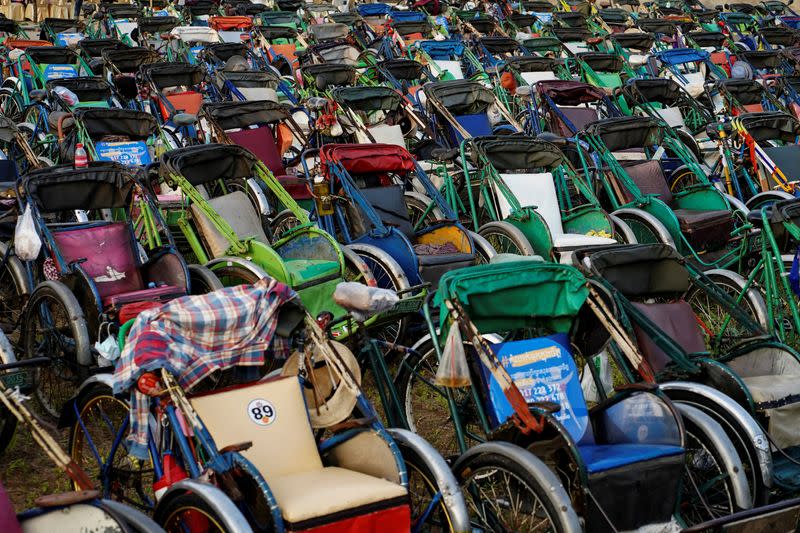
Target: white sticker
pixel 261 412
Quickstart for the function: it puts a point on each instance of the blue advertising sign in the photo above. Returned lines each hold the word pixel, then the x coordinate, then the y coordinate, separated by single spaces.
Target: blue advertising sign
pixel 131 153
pixel 59 72
pixel 544 371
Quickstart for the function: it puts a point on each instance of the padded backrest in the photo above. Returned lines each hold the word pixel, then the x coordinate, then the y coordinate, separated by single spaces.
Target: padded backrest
pixel 261 142
pixel 534 190
pixel 672 116
pixel 272 415
pixel 384 134
pixel 578 116
pixel 390 205
pixel 544 371
pixel 237 210
pixel 532 78
pixel 476 125
pixel 678 322
pixel 259 93
pixel 107 255
pixel 453 67
pixel 186 102
pixel 649 177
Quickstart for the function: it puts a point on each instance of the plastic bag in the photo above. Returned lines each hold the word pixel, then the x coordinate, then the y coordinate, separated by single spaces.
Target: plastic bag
pixel 602 368
pixel 27 242
pixel 453 371
pixel 108 350
pixel 65 94
pixel 362 301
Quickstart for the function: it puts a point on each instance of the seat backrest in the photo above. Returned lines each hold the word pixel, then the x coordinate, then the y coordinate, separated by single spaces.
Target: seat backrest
pixel 578 116
pixel 259 93
pixel 649 177
pixel 390 204
pixel 476 125
pixel 238 212
pixel 262 143
pixel 672 116
pixel 272 415
pixel 453 67
pixel 544 371
pixel 678 322
pixel 534 190
pixel 106 253
pixel 185 102
pixel 532 78
pixel 383 134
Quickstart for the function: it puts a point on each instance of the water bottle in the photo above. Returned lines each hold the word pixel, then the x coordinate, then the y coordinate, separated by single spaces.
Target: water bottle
pixel 81 159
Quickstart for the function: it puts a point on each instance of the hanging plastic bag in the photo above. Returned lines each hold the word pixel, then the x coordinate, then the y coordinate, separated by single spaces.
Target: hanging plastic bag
pixel 453 371
pixel 27 242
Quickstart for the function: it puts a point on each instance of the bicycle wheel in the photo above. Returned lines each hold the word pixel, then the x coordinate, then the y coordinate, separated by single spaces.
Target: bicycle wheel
pixel 55 327
pixel 426 405
pixel 707 488
pixel 188 513
pixel 96 444
pixel 504 494
pixel 713 314
pixel 506 238
pixel 14 288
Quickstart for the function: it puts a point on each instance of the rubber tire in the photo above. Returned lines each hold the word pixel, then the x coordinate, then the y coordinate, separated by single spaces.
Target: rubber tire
pixel 496 461
pixel 483 250
pixel 78 325
pixel 415 463
pixel 209 281
pixel 510 232
pixel 183 501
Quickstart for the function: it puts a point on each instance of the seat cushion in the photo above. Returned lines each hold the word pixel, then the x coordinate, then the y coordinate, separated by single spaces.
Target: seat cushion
pixel 576 240
pixel 601 457
pixel 649 178
pixel 476 125
pixel 106 253
pixel 705 230
pixel 533 190
pixel 302 271
pixel 778 397
pixel 317 493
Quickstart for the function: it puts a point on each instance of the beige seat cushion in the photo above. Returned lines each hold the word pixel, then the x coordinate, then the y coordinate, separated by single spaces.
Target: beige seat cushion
pixel 322 492
pixel 283 447
pixel 237 210
pixel 769 392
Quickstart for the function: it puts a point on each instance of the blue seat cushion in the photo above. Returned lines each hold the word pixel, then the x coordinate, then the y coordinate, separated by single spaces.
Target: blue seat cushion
pixel 601 457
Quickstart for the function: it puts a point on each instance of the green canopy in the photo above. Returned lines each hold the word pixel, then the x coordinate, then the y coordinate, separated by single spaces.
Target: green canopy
pixel 515 295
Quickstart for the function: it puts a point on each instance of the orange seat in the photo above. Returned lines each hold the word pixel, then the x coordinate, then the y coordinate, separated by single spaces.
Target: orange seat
pixel 186 102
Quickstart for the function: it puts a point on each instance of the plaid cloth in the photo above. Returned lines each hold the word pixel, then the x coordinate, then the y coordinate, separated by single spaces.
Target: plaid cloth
pixel 194 336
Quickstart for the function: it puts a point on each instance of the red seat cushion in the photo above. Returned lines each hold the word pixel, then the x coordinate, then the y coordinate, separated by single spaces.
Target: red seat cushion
pixel 131 311
pixel 395 519
pixel 106 253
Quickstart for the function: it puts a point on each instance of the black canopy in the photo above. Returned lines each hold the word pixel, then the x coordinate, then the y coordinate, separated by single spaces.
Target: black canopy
pixel 234 115
pixel 123 11
pixel 622 133
pixel 532 64
pixel 542 44
pixel 252 79
pixel 88 89
pixel 662 90
pixel 666 27
pixel 571 35
pixel 172 74
pixel 156 25
pixel 522 20
pixel 207 162
pixel 634 41
pixel 538 6
pixel 278 17
pixel 8 26
pixel 95 47
pixel 500 45
pixel 225 51
pixel 762 59
pixel 409 27
pixel 614 15
pixel 344 18
pixel 779 35
pixel 641 269
pixel 771 125
pixel 570 19
pixel 101 185
pixel 746 92
pixel 49 55
pixel 363 98
pixel 130 60
pixel 327 75
pixel 713 39
pixel 515 152
pixel 277 32
pixel 202 7
pixel 98 122
pixel 602 62
pixel 403 69
pixel 57 25
pixel 460 97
